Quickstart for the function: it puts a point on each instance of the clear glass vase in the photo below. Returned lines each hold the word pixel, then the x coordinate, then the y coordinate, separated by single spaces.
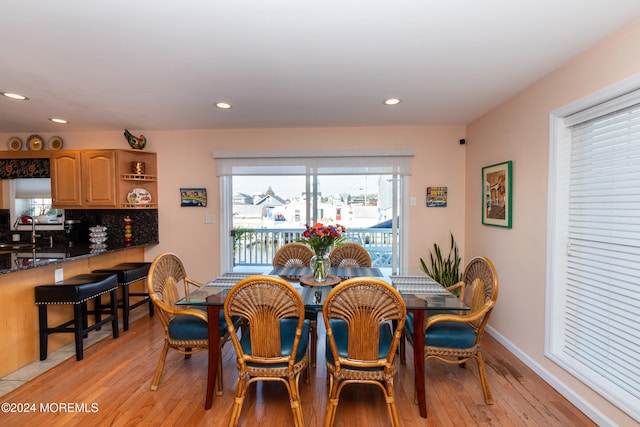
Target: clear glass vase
pixel 320 266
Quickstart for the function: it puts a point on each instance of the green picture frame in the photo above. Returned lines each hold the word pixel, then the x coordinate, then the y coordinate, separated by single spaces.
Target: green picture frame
pixel 497 195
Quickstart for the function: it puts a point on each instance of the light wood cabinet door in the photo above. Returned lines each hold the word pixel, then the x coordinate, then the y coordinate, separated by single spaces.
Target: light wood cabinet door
pixel 99 179
pixel 66 180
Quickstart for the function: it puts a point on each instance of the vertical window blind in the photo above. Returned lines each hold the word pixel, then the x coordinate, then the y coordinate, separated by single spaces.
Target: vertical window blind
pixel 601 325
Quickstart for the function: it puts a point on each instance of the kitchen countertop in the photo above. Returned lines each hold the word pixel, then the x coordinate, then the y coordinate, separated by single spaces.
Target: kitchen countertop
pixel 25 259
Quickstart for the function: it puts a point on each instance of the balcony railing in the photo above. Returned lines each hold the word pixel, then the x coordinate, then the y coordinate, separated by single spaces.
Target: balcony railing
pixel 259 246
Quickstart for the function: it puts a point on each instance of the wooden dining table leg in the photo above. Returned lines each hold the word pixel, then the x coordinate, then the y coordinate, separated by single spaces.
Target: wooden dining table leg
pixel 214 352
pixel 418 359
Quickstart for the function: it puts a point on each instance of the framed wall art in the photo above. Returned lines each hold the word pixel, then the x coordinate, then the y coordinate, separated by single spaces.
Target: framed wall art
pixel 497 195
pixel 436 197
pixel 193 197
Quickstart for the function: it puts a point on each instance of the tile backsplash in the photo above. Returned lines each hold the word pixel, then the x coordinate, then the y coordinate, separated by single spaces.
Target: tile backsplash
pixel 144 224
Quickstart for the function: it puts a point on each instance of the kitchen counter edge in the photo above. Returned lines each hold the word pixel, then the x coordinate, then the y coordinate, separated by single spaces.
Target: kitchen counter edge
pixel 73 253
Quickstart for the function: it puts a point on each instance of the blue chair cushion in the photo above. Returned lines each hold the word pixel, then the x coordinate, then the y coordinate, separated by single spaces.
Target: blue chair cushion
pixel 287 334
pixel 223 323
pixel 450 335
pixel 341 335
pixel 188 328
pixel 408 324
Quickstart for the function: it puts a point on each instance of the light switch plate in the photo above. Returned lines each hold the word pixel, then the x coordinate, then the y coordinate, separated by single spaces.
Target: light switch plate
pixel 412 201
pixel 209 219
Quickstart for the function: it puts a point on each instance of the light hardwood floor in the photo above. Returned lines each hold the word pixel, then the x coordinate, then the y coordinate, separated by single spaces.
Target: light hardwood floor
pixel 113 383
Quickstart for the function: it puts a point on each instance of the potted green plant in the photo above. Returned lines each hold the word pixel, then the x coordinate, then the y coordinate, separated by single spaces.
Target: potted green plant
pixel 445 271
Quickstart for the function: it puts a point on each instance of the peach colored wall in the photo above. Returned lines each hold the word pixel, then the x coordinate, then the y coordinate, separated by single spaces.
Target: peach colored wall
pixel 185 159
pixel 518 130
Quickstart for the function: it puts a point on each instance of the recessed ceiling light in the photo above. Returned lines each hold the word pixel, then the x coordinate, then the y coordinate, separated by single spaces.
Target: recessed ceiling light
pixel 392 101
pixel 14 96
pixel 61 121
pixel 223 105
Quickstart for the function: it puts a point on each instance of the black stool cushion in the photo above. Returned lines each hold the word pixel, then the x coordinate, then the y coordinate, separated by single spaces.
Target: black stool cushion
pixel 128 272
pixel 76 289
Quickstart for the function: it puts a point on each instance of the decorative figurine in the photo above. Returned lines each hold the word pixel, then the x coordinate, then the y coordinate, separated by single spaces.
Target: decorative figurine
pixel 128 235
pixel 137 143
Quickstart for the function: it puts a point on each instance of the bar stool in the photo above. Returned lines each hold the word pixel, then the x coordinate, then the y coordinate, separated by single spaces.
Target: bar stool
pixel 128 273
pixel 77 290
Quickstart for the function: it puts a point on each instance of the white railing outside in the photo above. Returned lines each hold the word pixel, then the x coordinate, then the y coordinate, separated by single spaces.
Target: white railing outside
pixel 258 246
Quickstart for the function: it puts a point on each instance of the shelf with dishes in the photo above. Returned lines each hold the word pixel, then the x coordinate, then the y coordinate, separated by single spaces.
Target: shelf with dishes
pixel 138 179
pixel 140 198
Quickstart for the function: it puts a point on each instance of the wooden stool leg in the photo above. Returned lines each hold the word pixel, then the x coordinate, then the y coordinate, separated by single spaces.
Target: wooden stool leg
pixel 125 306
pixel 85 318
pixel 80 316
pixel 97 313
pixel 44 336
pixel 114 312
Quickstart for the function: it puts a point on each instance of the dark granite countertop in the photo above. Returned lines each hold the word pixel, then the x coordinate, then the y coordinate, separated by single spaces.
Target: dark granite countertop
pixel 24 259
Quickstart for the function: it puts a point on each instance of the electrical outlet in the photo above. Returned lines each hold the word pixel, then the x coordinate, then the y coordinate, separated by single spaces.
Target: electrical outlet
pixel 59 275
pixel 209 219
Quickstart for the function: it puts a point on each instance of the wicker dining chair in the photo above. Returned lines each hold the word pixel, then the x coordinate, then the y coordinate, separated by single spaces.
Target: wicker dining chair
pixel 361 341
pixel 298 254
pixel 186 329
pixel 456 337
pixel 274 345
pixel 293 254
pixel 350 255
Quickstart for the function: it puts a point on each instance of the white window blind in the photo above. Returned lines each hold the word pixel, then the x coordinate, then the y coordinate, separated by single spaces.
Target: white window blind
pixel 29 188
pixel 316 162
pixel 595 323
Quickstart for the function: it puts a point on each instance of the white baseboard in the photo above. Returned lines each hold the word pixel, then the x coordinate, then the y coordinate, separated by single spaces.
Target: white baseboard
pixel 588 409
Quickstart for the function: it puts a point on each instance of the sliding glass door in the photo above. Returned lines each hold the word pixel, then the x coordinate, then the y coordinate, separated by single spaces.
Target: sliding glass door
pixel 266 203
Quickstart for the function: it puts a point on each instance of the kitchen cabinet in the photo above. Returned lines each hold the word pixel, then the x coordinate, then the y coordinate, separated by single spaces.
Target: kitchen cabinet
pixel 99 179
pixel 102 179
pixel 66 177
pixel 83 179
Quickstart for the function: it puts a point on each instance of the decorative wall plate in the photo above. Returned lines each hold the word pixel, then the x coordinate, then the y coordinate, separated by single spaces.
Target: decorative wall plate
pixel 34 142
pixel 14 143
pixel 139 196
pixel 55 143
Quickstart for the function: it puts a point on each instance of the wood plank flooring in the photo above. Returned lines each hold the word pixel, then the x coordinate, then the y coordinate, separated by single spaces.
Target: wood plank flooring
pixel 110 387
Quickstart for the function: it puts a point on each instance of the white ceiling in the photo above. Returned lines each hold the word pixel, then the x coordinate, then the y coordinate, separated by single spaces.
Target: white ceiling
pixel 161 64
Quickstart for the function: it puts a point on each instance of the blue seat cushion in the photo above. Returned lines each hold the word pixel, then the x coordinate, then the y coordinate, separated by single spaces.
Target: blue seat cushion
pixel 184 327
pixel 450 335
pixel 341 335
pixel 408 324
pixel 287 334
pixel 223 323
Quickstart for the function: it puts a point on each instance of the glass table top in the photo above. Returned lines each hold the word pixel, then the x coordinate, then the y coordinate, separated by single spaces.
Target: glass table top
pixel 418 291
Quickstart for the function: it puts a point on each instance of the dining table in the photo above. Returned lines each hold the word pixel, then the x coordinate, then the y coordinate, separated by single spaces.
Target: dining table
pixel 419 292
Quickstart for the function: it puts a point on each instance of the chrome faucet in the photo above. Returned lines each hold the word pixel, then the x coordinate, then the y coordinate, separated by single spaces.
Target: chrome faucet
pixel 33 226
pixel 33 230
